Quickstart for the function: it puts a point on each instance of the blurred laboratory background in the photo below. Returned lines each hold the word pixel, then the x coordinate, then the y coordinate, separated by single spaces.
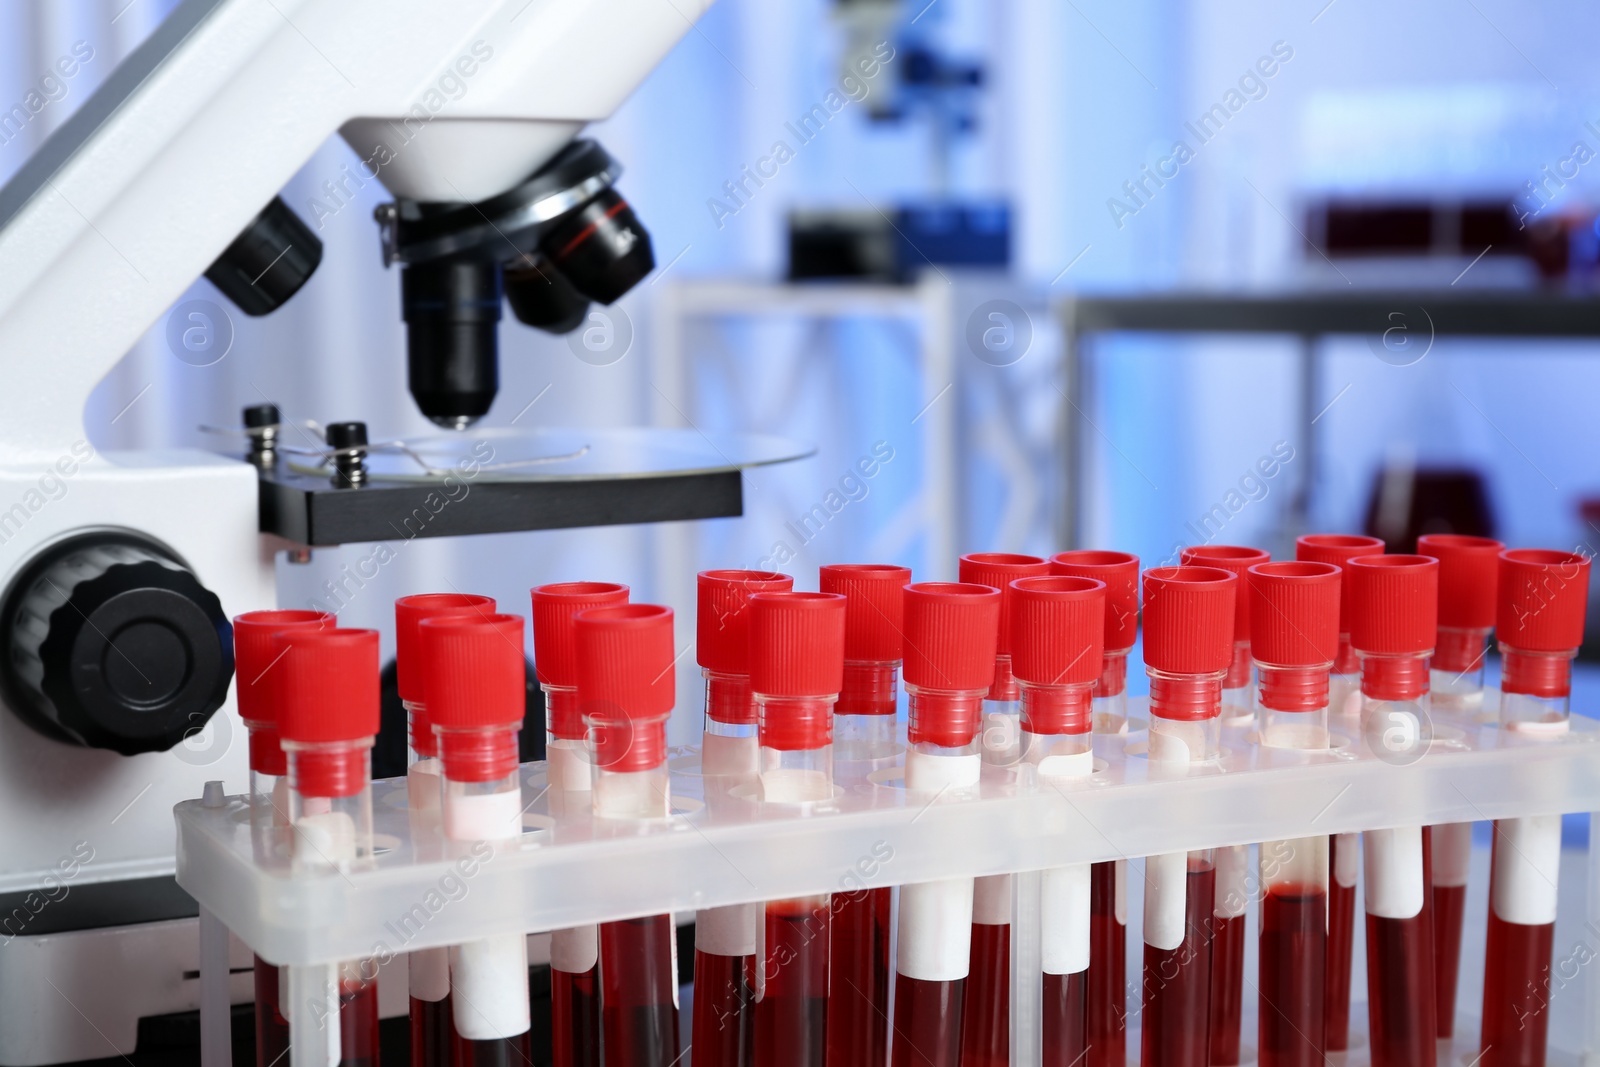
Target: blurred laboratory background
pixel 1029 274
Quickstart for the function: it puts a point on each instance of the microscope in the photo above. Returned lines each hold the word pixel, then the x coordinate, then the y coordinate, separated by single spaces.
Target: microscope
pixel 120 572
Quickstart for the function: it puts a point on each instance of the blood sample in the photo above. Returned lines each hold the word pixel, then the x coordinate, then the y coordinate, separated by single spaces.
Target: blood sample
pixel 863 733
pixel 986 1023
pixel 725 960
pixel 575 996
pixel 1057 652
pixel 1238 707
pixel 476 696
pixel 626 679
pixel 1294 638
pixel 1539 626
pixel 1344 850
pixel 796 671
pixel 950 635
pixel 1188 650
pixel 1344 863
pixel 1227 952
pixel 269 802
pixel 428 969
pixel 1393 620
pixel 1451 852
pixel 1108 959
pixel 1468 580
pixel 575 951
pixel 329 701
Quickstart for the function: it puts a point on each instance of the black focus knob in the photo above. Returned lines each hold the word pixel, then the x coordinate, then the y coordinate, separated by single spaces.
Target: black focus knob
pixel 115 645
pixel 269 262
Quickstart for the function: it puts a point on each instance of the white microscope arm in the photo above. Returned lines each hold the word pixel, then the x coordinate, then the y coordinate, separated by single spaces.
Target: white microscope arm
pixel 138 193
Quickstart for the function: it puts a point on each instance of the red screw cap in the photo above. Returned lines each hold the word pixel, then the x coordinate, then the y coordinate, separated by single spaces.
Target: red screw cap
pixel 476 670
pixel 722 621
pixel 874 611
pixel 1236 560
pixel 409 611
pixel 952 631
pixel 1188 619
pixel 1543 597
pixel 1469 577
pixel 1120 572
pixel 1396 608
pixel 329 686
pixel 797 644
pixel 1059 623
pixel 555 651
pixel 1338 549
pixel 626 682
pixel 1294 613
pixel 253 658
pixel 998 570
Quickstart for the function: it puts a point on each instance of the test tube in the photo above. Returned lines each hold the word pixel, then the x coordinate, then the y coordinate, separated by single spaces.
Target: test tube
pixel 1344 850
pixel 626 685
pixel 1539 626
pixel 725 939
pixel 477 694
pixel 864 733
pixel 1238 699
pixel 1058 628
pixel 1468 582
pixel 1232 861
pixel 575 951
pixel 986 1024
pixel 433 1032
pixel 951 632
pixel 1294 638
pixel 1393 621
pixel 329 694
pixel 555 661
pixel 796 671
pixel 1108 891
pixel 269 784
pixel 1188 650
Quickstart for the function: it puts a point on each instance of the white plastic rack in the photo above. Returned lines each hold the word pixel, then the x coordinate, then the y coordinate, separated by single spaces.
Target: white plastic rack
pixel 720 847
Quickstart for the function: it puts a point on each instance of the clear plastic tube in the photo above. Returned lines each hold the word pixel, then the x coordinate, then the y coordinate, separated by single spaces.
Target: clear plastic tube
pixel 1344 864
pixel 1238 697
pixel 1344 685
pixel 433 1029
pixel 575 996
pixel 935 932
pixel 1400 969
pixel 330 813
pixel 858 995
pixel 791 1014
pixel 1227 953
pixel 488 978
pixel 638 970
pixel 1451 852
pixel 1291 703
pixel 986 1013
pixel 726 939
pixel 1180 889
pixel 1057 740
pixel 1524 872
pixel 1456 682
pixel 567 758
pixel 1105 1030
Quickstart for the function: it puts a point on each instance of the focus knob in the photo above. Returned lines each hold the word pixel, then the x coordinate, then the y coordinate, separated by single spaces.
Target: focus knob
pixel 114 644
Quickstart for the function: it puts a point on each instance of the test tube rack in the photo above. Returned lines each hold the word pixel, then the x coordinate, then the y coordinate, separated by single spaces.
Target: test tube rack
pixel 722 847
